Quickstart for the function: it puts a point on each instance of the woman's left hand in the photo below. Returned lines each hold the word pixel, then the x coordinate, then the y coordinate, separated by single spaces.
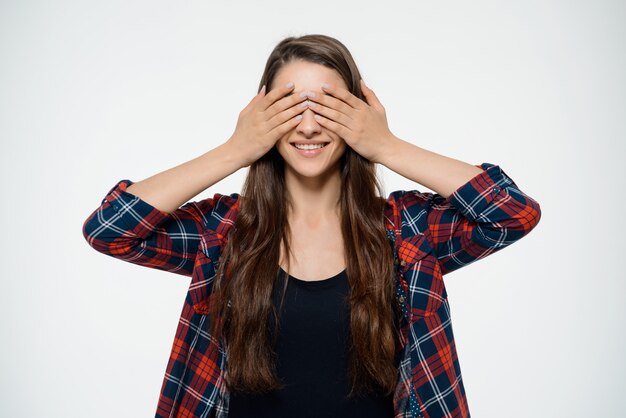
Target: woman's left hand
pixel 362 125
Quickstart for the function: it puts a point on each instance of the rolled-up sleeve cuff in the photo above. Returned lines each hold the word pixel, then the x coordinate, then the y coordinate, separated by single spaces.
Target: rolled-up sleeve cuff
pixel 472 198
pixel 139 216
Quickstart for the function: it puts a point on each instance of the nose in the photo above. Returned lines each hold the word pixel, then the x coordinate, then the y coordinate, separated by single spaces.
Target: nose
pixel 308 125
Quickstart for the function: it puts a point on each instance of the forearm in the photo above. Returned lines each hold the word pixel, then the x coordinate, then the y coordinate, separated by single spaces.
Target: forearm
pixel 442 174
pixel 170 189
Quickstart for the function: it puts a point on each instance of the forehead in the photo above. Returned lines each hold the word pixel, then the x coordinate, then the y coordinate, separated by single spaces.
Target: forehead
pixel 307 76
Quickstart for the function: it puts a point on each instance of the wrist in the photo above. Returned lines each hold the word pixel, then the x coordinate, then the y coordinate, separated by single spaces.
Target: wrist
pixel 230 156
pixel 234 154
pixel 389 148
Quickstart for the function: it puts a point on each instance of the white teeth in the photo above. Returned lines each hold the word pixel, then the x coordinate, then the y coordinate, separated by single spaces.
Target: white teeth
pixel 309 146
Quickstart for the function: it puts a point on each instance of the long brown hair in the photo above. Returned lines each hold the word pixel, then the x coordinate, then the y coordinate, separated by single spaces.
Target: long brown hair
pixel 242 297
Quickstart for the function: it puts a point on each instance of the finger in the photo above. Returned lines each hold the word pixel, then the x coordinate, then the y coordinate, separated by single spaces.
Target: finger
pixel 287 114
pixel 290 99
pixel 255 99
pixel 337 128
pixel 328 101
pixel 332 114
pixel 282 128
pixel 343 95
pixel 370 96
pixel 275 94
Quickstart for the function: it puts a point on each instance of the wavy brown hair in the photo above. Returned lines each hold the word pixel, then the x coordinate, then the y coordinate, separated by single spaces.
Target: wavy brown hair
pixel 241 303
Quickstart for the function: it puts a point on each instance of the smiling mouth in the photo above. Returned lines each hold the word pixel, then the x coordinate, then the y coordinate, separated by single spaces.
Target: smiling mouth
pixel 307 147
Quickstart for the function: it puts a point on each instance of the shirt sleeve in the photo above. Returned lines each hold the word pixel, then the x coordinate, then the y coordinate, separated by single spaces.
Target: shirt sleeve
pixel 129 228
pixel 484 215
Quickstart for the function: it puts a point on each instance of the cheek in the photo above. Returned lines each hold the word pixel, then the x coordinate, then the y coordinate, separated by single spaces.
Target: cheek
pixel 282 145
pixel 282 142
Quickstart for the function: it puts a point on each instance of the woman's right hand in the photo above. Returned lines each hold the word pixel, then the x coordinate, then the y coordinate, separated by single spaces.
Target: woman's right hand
pixel 264 121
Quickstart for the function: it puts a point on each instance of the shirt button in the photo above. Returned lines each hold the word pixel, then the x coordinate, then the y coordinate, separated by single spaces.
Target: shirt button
pixel 402 298
pixel 402 263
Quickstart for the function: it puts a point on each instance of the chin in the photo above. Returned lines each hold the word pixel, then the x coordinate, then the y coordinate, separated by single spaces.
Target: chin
pixel 311 166
pixel 308 173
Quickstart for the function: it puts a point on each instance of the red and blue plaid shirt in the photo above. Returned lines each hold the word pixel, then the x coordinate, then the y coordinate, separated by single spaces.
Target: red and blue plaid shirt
pixel 431 235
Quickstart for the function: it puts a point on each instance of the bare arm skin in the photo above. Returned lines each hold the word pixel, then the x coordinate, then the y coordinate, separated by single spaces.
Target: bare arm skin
pixel 171 188
pixel 260 124
pixel 438 172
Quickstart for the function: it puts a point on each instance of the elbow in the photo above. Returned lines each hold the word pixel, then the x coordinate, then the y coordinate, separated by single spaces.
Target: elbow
pixel 89 227
pixel 527 213
pixel 533 215
pixel 91 234
pixel 103 238
pixel 505 232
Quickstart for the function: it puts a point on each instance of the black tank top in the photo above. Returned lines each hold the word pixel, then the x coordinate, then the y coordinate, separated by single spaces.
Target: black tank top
pixel 312 358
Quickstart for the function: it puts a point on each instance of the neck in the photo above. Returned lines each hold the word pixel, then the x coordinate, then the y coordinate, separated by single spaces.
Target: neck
pixel 314 198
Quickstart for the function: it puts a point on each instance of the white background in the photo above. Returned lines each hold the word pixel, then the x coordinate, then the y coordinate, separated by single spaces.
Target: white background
pixel 94 92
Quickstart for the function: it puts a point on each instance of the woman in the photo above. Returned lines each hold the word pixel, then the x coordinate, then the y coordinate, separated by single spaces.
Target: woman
pixel 311 294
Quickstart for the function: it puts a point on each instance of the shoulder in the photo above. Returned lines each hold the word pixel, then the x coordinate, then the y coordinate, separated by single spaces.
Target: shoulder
pixel 224 213
pixel 226 201
pixel 408 200
pixel 407 210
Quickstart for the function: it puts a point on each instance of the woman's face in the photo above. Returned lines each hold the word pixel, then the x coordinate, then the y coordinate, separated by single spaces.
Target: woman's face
pixel 309 76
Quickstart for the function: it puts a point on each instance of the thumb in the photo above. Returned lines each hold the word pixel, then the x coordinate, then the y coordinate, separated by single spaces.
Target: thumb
pixel 256 98
pixel 260 94
pixel 372 100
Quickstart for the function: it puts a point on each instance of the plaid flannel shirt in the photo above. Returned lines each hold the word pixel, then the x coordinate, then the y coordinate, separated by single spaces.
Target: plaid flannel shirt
pixel 431 236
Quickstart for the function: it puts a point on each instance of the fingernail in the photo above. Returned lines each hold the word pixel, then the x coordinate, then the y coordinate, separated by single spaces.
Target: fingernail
pixel 325 85
pixel 289 85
